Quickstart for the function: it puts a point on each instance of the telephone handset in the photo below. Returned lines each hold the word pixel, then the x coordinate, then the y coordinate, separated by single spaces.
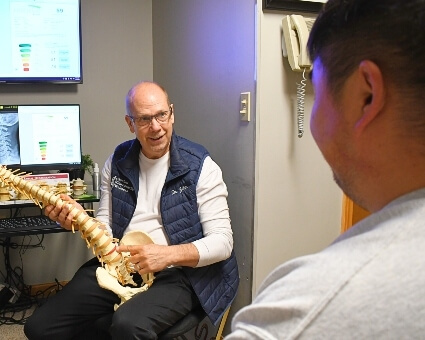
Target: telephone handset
pixel 296 29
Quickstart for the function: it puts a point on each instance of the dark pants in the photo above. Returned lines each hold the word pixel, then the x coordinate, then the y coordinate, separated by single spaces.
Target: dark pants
pixel 70 313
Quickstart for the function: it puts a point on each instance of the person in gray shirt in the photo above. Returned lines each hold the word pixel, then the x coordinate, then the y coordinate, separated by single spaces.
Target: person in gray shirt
pixel 368 120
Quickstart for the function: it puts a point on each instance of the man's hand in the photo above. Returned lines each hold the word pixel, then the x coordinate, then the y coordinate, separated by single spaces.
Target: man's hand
pixel 153 258
pixel 64 215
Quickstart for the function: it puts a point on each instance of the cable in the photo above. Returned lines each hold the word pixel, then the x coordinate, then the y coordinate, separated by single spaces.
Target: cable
pixel 16 313
pixel 19 312
pixel 300 104
pixel 40 297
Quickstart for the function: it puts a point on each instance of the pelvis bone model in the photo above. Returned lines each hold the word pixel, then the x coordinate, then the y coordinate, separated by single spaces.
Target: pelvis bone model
pixel 116 271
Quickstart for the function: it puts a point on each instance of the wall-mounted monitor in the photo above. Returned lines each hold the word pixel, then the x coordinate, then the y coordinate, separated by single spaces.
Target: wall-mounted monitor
pixel 40 137
pixel 40 42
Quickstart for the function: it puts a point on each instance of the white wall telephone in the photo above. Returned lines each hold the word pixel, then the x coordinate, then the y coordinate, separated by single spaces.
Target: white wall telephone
pixel 296 29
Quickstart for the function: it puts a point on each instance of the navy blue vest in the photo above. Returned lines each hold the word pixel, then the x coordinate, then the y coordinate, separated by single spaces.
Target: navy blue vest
pixel 216 284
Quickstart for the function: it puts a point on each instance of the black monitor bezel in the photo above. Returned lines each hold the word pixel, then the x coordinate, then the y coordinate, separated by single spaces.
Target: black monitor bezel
pixel 52 80
pixel 52 166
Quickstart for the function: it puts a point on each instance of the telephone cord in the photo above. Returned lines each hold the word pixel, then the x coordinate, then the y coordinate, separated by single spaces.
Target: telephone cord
pixel 300 104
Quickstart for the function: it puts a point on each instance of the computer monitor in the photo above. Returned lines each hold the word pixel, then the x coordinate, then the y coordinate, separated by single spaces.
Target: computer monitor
pixel 40 42
pixel 40 137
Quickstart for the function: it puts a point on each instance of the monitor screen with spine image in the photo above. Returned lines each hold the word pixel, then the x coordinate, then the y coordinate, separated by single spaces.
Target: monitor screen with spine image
pixel 40 137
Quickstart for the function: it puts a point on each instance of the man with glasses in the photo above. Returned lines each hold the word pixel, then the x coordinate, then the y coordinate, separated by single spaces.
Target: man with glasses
pixel 170 188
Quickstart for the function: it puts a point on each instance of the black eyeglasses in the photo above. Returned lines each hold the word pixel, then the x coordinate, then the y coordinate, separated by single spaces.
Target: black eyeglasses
pixel 146 120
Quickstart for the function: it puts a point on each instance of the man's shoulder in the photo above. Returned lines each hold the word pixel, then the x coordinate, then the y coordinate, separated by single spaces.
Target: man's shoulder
pixel 122 149
pixel 125 145
pixel 187 145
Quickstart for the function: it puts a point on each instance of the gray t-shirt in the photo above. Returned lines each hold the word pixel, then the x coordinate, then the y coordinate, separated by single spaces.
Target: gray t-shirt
pixel 369 284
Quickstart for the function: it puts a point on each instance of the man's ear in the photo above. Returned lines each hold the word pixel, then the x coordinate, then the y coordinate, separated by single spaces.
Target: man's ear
pixel 371 83
pixel 129 123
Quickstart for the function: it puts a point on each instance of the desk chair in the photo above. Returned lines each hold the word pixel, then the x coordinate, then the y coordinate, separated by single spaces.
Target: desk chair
pixel 177 331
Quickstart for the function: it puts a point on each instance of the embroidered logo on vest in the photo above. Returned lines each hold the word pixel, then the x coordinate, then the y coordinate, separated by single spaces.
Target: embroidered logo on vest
pixel 121 184
pixel 181 189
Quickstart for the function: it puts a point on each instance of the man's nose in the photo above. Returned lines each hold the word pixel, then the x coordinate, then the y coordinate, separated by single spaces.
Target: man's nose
pixel 154 125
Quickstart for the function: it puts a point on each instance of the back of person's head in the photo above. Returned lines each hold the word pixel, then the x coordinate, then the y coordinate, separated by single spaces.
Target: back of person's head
pixel 391 33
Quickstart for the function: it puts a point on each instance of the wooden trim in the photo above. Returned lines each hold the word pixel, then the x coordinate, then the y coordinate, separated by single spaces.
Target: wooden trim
pixel 351 213
pixel 222 323
pixel 46 289
pixel 347 213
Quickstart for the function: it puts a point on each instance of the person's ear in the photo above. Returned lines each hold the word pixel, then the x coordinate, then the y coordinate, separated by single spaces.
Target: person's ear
pixel 129 123
pixel 371 83
pixel 172 113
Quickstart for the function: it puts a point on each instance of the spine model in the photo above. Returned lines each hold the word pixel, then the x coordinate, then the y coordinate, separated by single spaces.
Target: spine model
pixel 113 263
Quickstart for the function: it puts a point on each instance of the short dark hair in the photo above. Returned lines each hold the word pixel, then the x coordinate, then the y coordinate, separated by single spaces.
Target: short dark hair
pixel 391 33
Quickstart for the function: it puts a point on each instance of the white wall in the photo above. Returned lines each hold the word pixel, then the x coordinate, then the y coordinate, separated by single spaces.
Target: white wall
pixel 298 206
pixel 117 52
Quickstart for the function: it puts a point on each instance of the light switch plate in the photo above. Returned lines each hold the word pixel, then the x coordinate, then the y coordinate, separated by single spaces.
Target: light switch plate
pixel 245 106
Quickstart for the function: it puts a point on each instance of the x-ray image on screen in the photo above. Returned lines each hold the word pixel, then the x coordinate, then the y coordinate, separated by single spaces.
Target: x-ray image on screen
pixel 9 139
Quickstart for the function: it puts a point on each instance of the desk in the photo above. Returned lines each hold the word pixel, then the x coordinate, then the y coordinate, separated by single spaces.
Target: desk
pixel 86 202
pixel 13 275
pixel 85 199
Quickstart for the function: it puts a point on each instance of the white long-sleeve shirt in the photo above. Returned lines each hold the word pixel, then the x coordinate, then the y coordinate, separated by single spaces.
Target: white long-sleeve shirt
pixel 211 191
